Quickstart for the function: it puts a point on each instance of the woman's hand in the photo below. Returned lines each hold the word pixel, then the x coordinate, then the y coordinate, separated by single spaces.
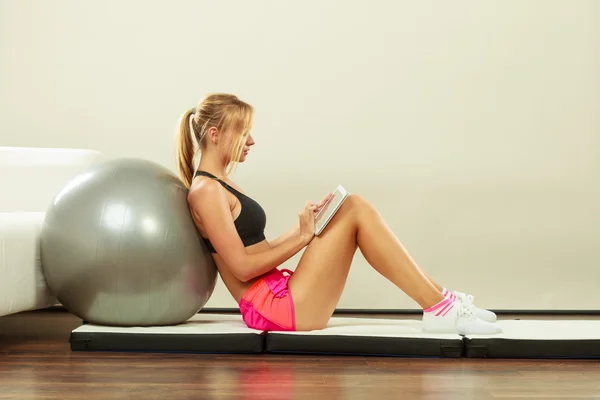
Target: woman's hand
pixel 323 202
pixel 307 218
pixel 307 221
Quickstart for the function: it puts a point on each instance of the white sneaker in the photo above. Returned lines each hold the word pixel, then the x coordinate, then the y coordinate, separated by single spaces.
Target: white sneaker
pixel 461 319
pixel 469 300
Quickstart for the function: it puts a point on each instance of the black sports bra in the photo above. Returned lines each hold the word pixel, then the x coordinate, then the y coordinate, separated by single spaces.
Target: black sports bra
pixel 251 222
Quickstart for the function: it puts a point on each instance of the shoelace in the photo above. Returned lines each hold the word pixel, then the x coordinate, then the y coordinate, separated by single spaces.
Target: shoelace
pixel 469 298
pixel 466 310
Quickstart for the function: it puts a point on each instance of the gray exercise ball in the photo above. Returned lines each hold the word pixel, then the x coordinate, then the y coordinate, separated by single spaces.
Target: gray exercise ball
pixel 119 247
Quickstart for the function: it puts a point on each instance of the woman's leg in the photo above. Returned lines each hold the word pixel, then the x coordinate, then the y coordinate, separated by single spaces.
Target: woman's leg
pixel 318 282
pixel 320 277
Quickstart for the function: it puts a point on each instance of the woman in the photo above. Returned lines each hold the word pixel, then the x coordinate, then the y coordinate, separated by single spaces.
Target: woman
pixel 233 227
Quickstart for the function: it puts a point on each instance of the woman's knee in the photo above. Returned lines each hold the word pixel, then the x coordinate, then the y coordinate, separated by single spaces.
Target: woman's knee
pixel 358 203
pixel 353 210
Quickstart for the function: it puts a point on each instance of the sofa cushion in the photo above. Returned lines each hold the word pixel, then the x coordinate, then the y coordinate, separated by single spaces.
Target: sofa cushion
pixel 22 283
pixel 31 177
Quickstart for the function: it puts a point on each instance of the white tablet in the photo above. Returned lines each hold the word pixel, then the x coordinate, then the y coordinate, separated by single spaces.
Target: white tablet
pixel 329 209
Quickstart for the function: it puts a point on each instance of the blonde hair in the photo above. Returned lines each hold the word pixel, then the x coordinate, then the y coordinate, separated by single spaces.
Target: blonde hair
pixel 218 110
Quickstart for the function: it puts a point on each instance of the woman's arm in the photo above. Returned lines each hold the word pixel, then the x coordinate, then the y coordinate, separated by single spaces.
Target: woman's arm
pixel 292 232
pixel 210 202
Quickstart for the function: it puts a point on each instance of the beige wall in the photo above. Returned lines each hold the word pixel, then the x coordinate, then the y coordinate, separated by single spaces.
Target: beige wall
pixel 473 126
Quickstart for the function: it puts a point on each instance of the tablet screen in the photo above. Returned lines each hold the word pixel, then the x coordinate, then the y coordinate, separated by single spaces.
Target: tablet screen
pixel 329 209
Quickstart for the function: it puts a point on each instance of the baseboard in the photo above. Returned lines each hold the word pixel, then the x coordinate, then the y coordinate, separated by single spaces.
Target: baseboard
pixel 342 311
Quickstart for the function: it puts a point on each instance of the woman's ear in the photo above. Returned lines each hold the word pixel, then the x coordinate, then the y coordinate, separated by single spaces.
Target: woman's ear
pixel 213 134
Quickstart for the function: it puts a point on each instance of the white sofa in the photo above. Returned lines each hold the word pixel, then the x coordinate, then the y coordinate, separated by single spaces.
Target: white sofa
pixel 29 180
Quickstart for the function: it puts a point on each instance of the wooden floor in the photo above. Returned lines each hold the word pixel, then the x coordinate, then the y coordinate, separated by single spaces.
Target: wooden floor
pixel 36 363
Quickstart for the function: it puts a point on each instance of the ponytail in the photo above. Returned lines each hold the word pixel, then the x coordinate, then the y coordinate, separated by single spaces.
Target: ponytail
pixel 185 150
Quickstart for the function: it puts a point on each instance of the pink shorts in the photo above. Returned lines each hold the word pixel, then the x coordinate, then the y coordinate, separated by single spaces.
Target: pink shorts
pixel 268 305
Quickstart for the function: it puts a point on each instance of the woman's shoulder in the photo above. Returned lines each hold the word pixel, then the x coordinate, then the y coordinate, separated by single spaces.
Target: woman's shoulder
pixel 206 190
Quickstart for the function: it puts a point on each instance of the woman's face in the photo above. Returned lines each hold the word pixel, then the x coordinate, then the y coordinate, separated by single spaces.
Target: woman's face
pixel 249 143
pixel 226 146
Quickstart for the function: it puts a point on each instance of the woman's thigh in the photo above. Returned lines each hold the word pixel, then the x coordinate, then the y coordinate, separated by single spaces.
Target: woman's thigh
pixel 319 279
